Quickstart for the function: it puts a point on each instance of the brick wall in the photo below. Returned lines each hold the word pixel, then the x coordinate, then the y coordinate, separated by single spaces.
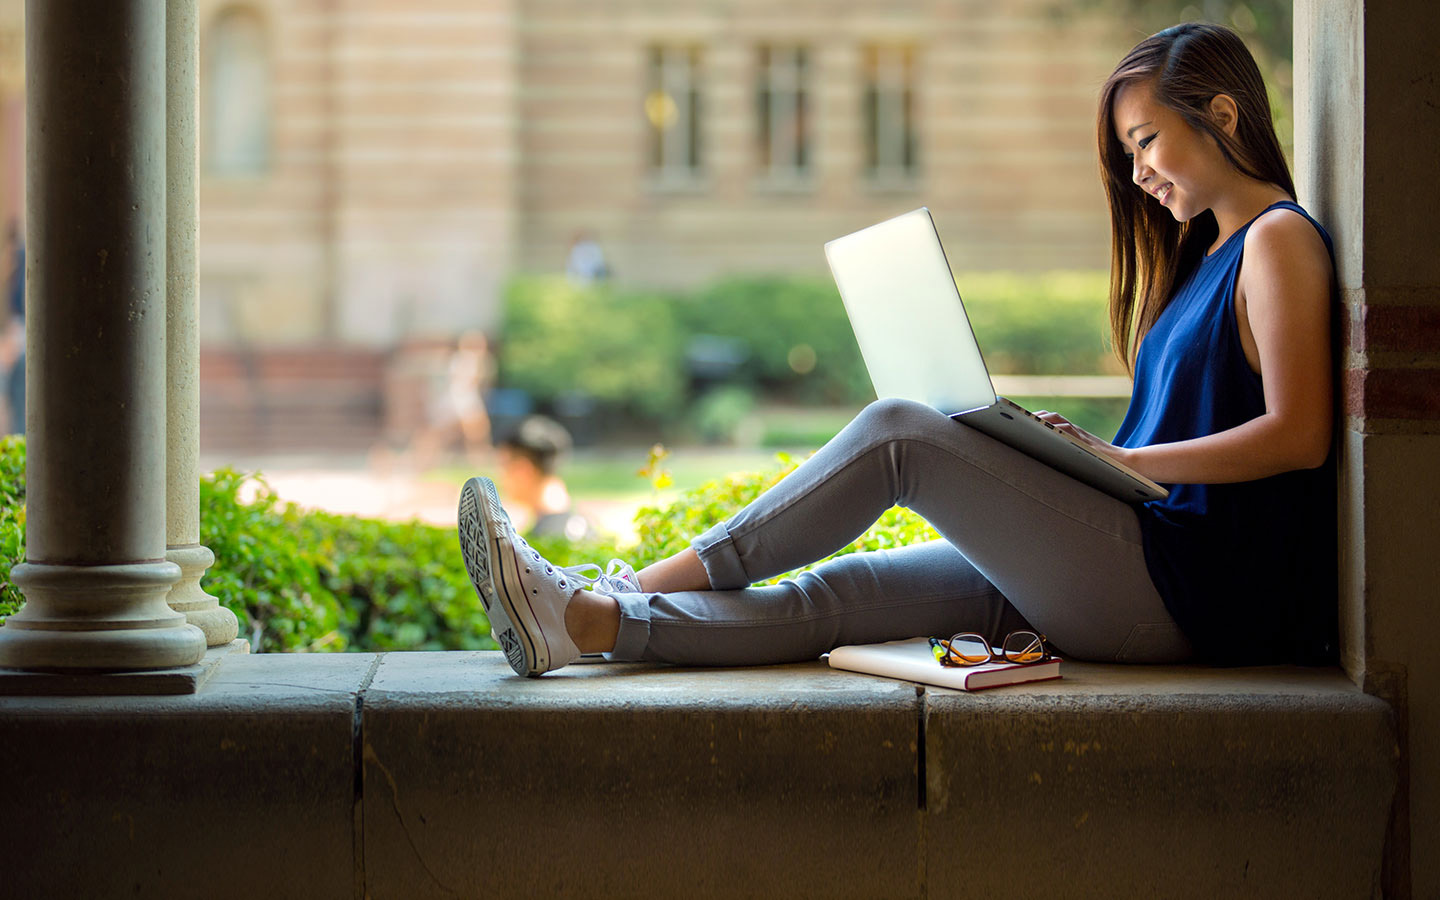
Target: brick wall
pixel 313 398
pixel 1394 379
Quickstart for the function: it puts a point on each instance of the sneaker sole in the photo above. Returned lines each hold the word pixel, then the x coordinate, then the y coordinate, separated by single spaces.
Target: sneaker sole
pixel 485 547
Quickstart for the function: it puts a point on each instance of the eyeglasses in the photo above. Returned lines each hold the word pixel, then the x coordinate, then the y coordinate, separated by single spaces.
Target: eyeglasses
pixel 971 649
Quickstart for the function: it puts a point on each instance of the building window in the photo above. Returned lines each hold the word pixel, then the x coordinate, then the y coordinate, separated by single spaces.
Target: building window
pixel 889 114
pixel 237 95
pixel 672 111
pixel 783 107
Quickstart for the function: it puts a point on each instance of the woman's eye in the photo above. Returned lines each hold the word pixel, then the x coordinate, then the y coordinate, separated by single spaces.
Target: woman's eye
pixel 1145 142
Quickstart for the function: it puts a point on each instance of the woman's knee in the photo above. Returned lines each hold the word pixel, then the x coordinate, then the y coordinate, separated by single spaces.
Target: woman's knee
pixel 894 417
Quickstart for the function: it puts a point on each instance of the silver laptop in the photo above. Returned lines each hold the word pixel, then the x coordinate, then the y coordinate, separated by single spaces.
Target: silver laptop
pixel 918 345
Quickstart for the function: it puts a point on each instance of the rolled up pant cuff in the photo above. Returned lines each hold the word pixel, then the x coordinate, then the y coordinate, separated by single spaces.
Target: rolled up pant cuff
pixel 634 634
pixel 722 566
pixel 722 563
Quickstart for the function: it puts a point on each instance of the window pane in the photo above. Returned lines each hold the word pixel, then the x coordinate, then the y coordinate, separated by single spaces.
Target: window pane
pixel 238 95
pixel 782 111
pixel 888 112
pixel 672 110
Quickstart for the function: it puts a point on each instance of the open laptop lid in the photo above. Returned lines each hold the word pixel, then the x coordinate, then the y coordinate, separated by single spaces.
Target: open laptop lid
pixel 891 276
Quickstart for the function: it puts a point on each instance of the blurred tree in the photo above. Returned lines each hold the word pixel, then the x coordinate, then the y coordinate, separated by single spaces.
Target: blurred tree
pixel 1266 25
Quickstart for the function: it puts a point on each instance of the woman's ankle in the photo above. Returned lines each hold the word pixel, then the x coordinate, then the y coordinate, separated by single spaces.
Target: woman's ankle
pixel 593 621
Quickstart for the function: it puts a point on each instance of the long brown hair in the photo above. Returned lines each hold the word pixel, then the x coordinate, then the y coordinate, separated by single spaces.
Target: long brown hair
pixel 1188 65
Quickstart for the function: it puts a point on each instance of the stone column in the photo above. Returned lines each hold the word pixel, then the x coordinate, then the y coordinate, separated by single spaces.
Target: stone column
pixel 95 576
pixel 1367 124
pixel 182 346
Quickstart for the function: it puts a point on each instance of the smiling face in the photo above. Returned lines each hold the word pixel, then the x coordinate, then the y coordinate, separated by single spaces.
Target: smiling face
pixel 1180 167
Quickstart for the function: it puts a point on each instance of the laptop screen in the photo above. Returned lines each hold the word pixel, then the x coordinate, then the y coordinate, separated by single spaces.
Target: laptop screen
pixel 906 311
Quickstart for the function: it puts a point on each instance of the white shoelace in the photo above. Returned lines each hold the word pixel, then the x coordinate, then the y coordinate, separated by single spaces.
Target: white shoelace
pixel 617 577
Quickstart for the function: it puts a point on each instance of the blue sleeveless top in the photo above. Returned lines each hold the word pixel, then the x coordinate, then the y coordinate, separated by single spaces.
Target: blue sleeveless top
pixel 1248 570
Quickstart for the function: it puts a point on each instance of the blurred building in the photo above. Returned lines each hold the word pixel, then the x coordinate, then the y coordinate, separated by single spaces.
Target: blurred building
pixel 373 170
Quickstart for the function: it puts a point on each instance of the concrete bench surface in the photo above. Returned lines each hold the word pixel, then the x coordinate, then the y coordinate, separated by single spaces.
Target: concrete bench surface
pixel 413 775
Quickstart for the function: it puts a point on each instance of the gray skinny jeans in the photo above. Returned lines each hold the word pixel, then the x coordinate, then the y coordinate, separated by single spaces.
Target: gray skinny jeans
pixel 1025 547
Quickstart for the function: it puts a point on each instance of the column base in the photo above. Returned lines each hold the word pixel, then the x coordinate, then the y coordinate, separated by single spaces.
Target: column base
pixel 187 596
pixel 98 618
pixel 143 683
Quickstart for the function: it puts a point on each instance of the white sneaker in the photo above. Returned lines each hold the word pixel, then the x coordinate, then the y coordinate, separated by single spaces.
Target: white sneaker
pixel 523 594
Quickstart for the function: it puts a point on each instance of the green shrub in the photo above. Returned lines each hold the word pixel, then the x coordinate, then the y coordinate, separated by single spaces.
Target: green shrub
pixel 719 412
pixel 12 520
pixel 795 330
pixel 322 581
pixel 299 580
pixel 263 571
pixel 311 581
pixel 628 348
pixel 1048 323
pixel 623 349
pixel 402 584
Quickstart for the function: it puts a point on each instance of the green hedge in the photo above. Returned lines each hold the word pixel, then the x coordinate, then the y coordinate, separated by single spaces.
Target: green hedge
pixel 623 349
pixel 300 580
pixel 1049 323
pixel 306 581
pixel 12 519
pixel 628 348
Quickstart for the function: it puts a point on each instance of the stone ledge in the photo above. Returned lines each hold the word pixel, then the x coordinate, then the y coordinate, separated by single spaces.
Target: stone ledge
pixel 624 781
pixel 245 789
pixel 1164 782
pixel 443 774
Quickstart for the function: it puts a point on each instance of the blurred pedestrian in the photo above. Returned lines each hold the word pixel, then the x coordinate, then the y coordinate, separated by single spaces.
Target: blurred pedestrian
pixel 529 461
pixel 457 403
pixel 12 337
pixel 586 263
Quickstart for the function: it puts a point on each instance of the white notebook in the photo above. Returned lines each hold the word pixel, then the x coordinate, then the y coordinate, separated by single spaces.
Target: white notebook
pixel 912 660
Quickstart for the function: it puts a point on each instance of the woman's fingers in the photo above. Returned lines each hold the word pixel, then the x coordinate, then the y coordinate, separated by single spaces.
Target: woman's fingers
pixel 1065 426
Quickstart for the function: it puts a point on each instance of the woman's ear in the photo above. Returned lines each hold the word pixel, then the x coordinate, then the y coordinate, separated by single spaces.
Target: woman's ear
pixel 1224 113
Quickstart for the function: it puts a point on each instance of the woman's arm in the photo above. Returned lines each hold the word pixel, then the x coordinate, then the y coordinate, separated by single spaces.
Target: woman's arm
pixel 1283 310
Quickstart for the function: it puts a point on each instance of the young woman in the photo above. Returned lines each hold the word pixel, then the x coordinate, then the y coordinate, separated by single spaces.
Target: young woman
pixel 1220 303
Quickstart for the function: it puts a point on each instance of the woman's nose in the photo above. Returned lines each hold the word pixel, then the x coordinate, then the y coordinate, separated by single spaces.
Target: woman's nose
pixel 1139 171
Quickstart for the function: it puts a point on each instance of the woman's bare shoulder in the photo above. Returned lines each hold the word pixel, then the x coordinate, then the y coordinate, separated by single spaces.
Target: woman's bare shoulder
pixel 1285 237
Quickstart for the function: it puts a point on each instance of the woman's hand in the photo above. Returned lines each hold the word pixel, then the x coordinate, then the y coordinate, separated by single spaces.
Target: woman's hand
pixel 1065 426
